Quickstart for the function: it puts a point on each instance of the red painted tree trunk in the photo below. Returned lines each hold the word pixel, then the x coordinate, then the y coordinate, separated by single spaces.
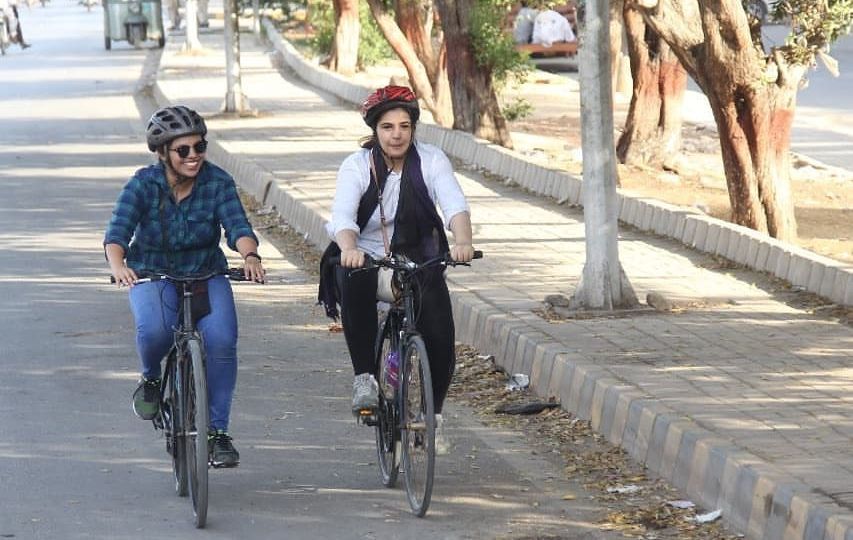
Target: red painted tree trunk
pixel 753 105
pixel 475 102
pixel 652 134
pixel 344 57
pixel 755 130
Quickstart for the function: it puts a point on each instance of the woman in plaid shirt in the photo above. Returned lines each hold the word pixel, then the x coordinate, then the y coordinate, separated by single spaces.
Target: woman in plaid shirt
pixel 168 219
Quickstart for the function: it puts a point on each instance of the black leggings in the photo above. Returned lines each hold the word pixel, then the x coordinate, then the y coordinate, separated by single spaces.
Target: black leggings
pixel 434 321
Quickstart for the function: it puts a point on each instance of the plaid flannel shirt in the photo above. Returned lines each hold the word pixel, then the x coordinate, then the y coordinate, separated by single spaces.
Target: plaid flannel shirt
pixel 193 226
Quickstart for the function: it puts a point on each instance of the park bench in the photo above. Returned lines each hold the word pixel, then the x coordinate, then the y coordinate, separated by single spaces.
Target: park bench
pixel 560 48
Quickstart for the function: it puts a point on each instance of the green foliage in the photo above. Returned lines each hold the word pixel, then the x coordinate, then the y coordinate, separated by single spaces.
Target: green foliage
pixel 372 46
pixel 814 26
pixel 321 16
pixel 519 108
pixel 492 43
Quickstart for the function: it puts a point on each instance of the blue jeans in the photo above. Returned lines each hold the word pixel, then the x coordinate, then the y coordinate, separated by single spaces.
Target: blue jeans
pixel 155 310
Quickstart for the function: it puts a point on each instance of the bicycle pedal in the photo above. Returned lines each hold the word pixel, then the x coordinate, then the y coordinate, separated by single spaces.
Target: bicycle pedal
pixel 212 465
pixel 366 417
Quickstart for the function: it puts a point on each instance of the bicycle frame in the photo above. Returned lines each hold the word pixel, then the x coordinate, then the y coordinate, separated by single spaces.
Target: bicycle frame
pixel 177 355
pixel 406 408
pixel 183 397
pixel 184 331
pixel 187 405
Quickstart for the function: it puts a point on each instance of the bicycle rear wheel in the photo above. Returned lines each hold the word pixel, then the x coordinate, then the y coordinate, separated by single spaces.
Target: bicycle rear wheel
pixel 387 434
pixel 196 432
pixel 418 425
pixel 172 415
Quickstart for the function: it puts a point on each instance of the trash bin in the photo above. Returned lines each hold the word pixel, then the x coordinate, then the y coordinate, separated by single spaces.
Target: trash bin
pixel 134 21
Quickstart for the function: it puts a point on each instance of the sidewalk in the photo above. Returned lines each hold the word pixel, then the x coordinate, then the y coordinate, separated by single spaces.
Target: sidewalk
pixel 739 400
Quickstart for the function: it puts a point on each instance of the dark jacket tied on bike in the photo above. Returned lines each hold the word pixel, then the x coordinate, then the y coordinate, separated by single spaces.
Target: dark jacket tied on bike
pixel 418 229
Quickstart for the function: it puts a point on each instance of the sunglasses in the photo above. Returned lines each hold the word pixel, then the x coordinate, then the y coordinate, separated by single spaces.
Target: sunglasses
pixel 183 151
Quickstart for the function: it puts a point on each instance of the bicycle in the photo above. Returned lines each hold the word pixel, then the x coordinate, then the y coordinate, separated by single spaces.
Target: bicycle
pixel 406 410
pixel 184 414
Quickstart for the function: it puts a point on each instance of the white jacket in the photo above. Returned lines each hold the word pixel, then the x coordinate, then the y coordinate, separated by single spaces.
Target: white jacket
pixel 353 178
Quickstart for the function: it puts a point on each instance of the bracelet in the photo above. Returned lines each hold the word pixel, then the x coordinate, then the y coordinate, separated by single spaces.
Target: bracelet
pixel 252 254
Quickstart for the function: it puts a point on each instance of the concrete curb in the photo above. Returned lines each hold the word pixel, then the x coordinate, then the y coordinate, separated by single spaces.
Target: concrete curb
pixel 756 498
pixel 802 268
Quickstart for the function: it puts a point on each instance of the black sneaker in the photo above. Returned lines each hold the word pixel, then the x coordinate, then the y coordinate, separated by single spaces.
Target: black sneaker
pixel 222 452
pixel 146 398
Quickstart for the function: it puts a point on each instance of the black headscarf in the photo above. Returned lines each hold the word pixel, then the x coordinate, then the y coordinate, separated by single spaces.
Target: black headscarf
pixel 418 229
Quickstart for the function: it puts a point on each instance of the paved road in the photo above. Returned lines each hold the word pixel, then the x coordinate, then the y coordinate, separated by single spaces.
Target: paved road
pixel 75 463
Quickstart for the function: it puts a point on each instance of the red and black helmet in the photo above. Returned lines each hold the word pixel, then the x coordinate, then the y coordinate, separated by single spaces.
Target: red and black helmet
pixel 387 98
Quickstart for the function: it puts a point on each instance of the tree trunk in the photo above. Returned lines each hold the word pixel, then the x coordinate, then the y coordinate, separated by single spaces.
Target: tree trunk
pixel 416 20
pixel 235 100
pixel 603 283
pixel 475 101
pixel 256 20
pixel 191 43
pixel 673 86
pixel 652 134
pixel 753 106
pixel 755 130
pixel 344 56
pixel 616 31
pixel 441 86
pixel 432 92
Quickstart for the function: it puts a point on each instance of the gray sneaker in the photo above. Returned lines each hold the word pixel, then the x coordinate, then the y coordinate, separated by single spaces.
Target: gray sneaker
pixel 365 393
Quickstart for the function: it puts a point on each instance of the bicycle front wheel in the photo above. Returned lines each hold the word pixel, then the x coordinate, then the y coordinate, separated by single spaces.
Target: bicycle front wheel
pixel 173 424
pixel 418 425
pixel 197 424
pixel 387 434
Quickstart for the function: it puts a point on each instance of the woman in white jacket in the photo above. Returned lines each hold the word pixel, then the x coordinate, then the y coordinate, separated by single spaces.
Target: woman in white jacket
pixel 385 201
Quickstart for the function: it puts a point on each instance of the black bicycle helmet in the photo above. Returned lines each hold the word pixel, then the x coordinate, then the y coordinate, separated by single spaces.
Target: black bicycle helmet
pixel 387 98
pixel 169 123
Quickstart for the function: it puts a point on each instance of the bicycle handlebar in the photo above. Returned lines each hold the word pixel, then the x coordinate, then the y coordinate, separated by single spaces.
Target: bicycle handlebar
pixel 395 263
pixel 234 274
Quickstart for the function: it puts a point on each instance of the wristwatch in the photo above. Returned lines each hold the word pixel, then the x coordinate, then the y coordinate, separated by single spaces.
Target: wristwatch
pixel 252 254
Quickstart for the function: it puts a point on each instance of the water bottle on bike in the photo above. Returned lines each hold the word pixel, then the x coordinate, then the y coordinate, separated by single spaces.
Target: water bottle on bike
pixel 392 368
